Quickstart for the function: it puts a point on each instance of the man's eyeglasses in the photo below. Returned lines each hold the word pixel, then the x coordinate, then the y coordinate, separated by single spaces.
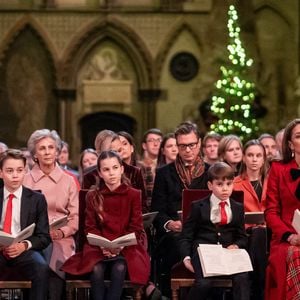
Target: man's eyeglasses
pixel 158 140
pixel 191 146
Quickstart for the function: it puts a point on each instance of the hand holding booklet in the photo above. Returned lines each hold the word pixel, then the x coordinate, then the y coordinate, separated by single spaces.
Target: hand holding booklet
pixel 216 260
pixel 58 223
pixel 7 239
pixel 122 241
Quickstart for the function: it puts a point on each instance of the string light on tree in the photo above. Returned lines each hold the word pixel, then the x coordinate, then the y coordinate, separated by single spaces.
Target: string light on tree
pixel 234 92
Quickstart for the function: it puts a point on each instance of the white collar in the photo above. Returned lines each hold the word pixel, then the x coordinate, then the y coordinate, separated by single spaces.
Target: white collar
pixel 17 193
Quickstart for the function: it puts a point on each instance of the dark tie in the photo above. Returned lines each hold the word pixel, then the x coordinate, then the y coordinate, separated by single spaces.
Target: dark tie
pixel 8 214
pixel 295 174
pixel 223 213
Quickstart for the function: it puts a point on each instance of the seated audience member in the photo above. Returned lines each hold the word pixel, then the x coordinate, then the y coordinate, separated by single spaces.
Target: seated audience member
pixel 210 146
pixel 168 150
pixel 29 160
pixel 108 140
pixel 103 219
pixel 129 149
pixel 88 158
pixel 278 139
pixel 170 180
pixel 64 159
pixel 252 181
pixel 151 143
pixel 61 194
pixel 217 219
pixel 19 208
pixel 3 147
pixel 230 151
pixel 283 197
pixel 270 145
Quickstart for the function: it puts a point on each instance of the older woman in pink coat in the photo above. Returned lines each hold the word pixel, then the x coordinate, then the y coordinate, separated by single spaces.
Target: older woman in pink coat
pixel 61 194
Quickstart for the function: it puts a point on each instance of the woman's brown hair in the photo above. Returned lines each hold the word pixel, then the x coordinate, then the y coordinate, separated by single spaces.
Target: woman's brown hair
pixel 265 167
pixel 97 200
pixel 287 153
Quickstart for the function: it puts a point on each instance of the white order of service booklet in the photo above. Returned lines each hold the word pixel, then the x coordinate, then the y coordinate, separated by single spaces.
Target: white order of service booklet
pixel 296 220
pixel 122 241
pixel 7 239
pixel 58 223
pixel 216 260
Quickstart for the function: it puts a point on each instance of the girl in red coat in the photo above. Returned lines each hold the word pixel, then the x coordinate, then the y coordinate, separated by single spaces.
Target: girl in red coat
pixel 111 212
pixel 253 182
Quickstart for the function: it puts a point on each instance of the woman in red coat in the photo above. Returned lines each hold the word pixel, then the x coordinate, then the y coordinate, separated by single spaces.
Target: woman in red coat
pixel 111 212
pixel 283 197
pixel 253 182
pixel 253 176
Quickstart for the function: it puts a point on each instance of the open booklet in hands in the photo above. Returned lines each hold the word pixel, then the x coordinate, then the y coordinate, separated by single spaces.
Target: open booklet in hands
pixel 58 223
pixel 122 241
pixel 7 239
pixel 216 260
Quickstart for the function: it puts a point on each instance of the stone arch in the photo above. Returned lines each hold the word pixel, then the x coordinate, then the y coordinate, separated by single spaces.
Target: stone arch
pixel 119 33
pixel 42 35
pixel 170 39
pixel 273 7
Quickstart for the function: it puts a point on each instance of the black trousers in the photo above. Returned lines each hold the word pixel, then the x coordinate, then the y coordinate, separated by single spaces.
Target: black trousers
pixel 32 266
pixel 203 288
pixel 166 256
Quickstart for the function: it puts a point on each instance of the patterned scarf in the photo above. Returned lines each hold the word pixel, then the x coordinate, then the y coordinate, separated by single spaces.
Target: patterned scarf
pixel 188 172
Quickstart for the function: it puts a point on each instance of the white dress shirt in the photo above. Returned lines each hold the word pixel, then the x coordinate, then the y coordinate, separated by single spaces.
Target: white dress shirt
pixel 16 210
pixel 215 211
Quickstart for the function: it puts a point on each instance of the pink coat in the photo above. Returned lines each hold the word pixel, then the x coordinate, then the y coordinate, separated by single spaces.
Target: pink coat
pixel 281 204
pixel 122 214
pixel 61 194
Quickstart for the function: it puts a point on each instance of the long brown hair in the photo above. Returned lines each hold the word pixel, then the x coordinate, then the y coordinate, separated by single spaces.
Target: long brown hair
pixel 265 167
pixel 97 200
pixel 287 153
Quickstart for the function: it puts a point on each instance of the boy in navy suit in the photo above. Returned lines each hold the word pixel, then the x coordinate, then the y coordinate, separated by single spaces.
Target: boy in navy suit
pixel 19 208
pixel 216 219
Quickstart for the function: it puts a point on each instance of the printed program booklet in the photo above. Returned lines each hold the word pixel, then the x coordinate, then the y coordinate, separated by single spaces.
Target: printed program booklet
pixel 7 239
pixel 216 260
pixel 58 223
pixel 296 220
pixel 122 241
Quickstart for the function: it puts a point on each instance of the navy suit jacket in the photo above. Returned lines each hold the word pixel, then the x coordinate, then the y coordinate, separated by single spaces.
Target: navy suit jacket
pixel 33 210
pixel 198 228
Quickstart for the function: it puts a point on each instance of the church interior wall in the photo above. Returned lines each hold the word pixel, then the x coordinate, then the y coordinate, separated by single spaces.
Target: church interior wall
pixel 45 48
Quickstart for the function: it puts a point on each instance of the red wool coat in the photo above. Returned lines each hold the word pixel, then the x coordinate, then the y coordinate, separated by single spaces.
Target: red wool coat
pixel 251 201
pixel 281 204
pixel 122 214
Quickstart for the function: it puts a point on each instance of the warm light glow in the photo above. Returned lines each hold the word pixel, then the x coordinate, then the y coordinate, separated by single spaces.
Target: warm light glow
pixel 235 93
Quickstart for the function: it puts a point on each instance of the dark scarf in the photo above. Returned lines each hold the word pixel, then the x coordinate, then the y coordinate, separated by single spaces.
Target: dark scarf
pixel 185 173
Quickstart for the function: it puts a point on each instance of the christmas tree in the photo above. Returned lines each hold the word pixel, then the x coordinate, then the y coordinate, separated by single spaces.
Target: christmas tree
pixel 234 94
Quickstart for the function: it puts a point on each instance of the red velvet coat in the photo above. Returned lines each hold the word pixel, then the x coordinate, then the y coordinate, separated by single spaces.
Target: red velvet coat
pixel 122 214
pixel 281 204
